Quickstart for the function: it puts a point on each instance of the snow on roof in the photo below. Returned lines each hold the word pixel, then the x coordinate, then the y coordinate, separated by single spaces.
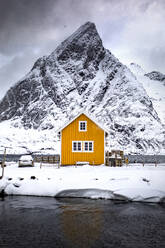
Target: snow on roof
pixel 90 117
pixel 26 157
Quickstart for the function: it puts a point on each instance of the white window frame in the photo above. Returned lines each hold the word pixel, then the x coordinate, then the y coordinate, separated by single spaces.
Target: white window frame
pixel 83 146
pixel 84 130
pixel 77 141
pixel 88 141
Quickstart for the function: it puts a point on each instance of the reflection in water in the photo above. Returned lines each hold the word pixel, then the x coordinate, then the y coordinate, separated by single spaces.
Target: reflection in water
pixel 81 228
pixel 79 223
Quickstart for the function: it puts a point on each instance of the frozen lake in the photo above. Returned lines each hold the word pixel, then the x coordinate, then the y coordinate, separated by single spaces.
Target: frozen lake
pixel 79 223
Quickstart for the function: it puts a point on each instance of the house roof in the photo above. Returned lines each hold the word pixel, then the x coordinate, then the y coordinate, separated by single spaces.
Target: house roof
pixel 90 117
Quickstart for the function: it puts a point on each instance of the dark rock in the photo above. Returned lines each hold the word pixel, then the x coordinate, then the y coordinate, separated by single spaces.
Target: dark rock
pixel 145 180
pixel 155 75
pixel 3 193
pixel 16 185
pixel 33 177
pixel 21 178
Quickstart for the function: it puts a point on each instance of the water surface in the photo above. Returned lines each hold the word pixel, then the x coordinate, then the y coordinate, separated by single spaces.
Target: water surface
pixel 80 223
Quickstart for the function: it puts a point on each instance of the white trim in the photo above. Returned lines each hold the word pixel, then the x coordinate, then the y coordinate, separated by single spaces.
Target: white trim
pixel 85 126
pixel 88 143
pixel 90 117
pixel 77 141
pixel 82 145
pixel 82 163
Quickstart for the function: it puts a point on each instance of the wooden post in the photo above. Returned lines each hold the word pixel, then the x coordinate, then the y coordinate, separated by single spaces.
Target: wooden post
pixel 126 161
pixel 3 164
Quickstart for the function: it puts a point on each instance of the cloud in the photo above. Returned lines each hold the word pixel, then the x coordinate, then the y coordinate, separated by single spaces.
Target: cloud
pixel 14 70
pixel 22 23
pixel 143 38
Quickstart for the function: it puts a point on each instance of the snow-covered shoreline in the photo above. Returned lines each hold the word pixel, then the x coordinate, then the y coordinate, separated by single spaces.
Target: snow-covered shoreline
pixel 127 183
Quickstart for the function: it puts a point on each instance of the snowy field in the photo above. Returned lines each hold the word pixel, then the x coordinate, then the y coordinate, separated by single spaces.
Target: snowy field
pixel 127 183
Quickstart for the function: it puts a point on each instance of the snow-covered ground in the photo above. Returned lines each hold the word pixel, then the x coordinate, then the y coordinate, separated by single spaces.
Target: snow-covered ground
pixel 128 183
pixel 22 141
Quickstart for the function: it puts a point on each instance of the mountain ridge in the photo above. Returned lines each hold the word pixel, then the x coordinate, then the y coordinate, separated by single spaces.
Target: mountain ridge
pixel 81 74
pixel 154 84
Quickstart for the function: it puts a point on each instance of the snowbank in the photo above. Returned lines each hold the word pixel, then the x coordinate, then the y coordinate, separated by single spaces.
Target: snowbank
pixel 127 183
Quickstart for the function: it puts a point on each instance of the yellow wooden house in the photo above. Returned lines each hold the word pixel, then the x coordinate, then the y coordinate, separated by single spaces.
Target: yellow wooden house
pixel 82 141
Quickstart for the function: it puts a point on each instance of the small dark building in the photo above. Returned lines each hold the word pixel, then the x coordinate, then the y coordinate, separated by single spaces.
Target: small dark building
pixel 114 158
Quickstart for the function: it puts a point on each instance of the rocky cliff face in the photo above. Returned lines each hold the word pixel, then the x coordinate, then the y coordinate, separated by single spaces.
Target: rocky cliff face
pixel 155 75
pixel 82 75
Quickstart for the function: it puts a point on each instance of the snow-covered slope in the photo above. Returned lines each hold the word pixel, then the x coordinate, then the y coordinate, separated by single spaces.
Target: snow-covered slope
pixel 154 84
pixel 82 75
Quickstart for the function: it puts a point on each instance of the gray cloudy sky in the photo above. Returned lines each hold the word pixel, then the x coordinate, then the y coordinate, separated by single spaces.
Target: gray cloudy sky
pixel 134 31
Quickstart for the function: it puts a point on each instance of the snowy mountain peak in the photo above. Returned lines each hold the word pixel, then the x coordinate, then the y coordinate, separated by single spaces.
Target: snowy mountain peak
pixel 83 50
pixel 82 74
pixel 85 36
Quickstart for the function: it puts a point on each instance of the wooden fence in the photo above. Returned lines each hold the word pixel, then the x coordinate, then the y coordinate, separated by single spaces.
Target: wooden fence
pixel 50 159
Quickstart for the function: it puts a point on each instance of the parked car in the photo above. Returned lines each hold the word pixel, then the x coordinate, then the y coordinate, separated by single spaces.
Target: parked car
pixel 26 160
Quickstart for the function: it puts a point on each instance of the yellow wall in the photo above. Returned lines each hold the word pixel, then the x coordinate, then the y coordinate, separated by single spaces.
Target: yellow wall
pixel 71 133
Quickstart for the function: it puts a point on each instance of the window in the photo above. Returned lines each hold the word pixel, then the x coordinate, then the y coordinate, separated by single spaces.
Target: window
pixel 88 146
pixel 82 126
pixel 82 146
pixel 76 146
